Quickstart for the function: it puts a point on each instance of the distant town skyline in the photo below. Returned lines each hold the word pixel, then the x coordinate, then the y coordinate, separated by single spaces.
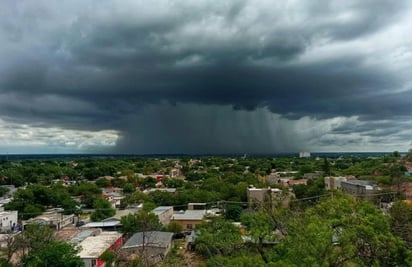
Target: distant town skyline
pixel 148 77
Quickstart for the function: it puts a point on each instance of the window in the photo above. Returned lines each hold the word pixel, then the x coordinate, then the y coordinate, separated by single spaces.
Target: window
pixel 189 226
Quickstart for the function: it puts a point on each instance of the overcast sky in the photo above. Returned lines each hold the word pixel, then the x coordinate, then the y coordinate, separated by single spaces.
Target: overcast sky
pixel 165 76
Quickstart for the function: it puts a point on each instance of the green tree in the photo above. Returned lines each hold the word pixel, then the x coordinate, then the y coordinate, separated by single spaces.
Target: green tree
pixel 341 232
pixel 128 188
pixel 162 198
pixel 5 263
pixel 260 227
pixel 174 227
pixel 326 167
pixel 401 221
pixel 35 199
pixel 173 183
pixel 233 211
pixel 29 211
pixel 33 239
pixel 103 209
pixel 109 257
pixel 148 206
pixel 141 221
pixel 103 182
pixel 11 247
pixel 3 191
pixel 87 192
pixel 246 260
pixel 218 237
pixel 54 254
pixel 134 198
pixel 315 187
pixel 396 173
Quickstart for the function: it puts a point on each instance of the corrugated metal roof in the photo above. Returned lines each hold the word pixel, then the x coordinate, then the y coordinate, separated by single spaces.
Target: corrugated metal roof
pixel 102 224
pixel 151 238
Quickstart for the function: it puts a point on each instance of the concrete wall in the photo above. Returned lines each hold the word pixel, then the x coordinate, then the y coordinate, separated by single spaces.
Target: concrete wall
pixel 165 216
pixel 8 220
pixel 186 223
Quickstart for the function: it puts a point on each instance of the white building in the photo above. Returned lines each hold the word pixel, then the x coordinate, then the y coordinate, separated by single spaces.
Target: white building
pixel 164 213
pixel 333 183
pixel 54 218
pixel 304 154
pixel 258 195
pixel 92 248
pixel 8 220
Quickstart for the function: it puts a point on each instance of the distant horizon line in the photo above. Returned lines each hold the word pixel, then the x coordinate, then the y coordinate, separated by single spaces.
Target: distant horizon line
pixel 196 154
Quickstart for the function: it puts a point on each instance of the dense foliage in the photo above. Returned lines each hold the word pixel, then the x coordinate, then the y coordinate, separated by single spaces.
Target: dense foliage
pixel 55 254
pixel 35 199
pixel 141 221
pixel 337 231
pixel 315 228
pixel 102 209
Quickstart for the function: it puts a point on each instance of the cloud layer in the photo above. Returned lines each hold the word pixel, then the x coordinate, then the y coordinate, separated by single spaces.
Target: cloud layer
pixel 206 76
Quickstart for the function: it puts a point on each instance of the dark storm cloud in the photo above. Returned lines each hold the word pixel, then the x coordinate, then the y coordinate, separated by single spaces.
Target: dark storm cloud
pixel 101 65
pixel 201 129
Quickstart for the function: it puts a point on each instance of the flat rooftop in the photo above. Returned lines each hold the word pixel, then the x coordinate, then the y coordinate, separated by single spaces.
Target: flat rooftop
pixel 359 182
pixel 161 209
pixel 195 215
pixel 94 246
pixel 102 224
pixel 169 190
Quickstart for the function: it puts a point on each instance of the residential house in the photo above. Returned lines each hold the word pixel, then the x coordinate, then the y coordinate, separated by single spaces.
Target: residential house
pixel 189 219
pixel 259 195
pixel 360 188
pixel 273 178
pixel 124 212
pixel 53 218
pixel 168 190
pixel 113 196
pixel 287 182
pixel 8 220
pixel 109 224
pixel 297 182
pixel 196 206
pixel 76 235
pixel 112 189
pixel 312 175
pixel 175 172
pixel 333 183
pixel 82 234
pixel 92 247
pixel 151 247
pixel 164 213
pixel 107 177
